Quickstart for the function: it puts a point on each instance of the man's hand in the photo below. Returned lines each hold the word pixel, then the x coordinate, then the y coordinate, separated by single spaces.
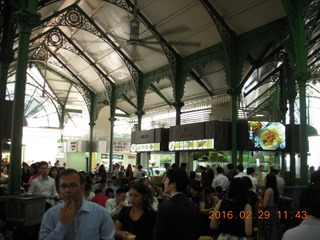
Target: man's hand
pixel 67 213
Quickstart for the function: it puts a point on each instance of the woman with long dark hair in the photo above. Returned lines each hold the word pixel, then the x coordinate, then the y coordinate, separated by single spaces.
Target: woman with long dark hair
pixel 139 218
pixel 25 174
pixel 233 215
pixel 53 172
pixel 129 173
pixel 269 223
pixel 34 172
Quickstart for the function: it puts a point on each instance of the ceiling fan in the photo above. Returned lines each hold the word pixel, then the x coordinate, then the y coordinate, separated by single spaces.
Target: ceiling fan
pixel 134 39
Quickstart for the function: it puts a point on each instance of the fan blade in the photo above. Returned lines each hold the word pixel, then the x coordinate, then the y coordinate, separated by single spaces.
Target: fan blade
pixel 134 52
pixel 152 48
pixel 183 44
pixel 177 29
pixel 186 44
pixel 150 42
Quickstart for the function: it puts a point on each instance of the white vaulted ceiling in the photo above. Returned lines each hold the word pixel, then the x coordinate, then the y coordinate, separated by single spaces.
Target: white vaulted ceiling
pixel 185 24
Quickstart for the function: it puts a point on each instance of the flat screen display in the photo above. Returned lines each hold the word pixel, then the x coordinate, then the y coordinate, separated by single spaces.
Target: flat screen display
pixel 268 136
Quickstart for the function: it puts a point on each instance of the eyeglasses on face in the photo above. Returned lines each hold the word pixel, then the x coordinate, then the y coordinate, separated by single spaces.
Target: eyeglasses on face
pixel 71 185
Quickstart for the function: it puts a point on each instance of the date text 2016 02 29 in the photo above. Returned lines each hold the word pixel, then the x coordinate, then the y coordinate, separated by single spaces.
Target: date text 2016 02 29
pixel 263 214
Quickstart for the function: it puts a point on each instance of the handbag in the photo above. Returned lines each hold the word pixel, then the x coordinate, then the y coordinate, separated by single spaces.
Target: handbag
pixel 224 236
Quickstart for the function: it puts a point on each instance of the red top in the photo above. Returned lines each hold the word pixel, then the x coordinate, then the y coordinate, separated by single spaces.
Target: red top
pixel 100 199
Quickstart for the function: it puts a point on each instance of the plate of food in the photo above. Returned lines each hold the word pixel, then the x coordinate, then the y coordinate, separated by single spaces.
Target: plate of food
pixel 271 137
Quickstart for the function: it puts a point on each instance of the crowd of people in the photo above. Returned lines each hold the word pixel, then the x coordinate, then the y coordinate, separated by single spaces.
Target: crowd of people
pixel 229 205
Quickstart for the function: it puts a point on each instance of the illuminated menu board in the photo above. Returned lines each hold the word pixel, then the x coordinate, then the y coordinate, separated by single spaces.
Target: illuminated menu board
pixel 145 147
pixel 191 145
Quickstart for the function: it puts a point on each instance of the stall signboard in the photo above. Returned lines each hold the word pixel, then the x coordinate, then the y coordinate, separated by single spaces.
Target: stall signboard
pixel 145 147
pixel 191 145
pixel 269 136
pixel 150 140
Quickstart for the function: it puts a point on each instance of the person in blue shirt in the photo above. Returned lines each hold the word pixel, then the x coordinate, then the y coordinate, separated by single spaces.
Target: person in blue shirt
pixel 75 217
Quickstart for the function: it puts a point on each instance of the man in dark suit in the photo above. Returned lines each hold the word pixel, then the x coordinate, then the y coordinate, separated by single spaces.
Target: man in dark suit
pixel 179 217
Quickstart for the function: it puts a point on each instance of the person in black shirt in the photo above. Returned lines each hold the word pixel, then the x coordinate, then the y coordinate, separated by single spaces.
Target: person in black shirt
pixel 139 218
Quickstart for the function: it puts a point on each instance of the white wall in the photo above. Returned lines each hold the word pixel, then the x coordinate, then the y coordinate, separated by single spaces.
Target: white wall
pixel 40 144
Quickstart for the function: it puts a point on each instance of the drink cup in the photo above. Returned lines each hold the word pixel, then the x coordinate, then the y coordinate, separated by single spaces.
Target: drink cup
pixel 131 237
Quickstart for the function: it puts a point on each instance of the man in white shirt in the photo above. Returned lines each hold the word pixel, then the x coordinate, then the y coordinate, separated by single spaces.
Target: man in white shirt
pixel 114 205
pixel 254 180
pixel 240 172
pixel 115 172
pixel 44 185
pixel 309 211
pixel 137 174
pixel 87 193
pixel 220 180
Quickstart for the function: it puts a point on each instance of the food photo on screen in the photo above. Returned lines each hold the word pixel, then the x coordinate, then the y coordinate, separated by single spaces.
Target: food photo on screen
pixel 266 136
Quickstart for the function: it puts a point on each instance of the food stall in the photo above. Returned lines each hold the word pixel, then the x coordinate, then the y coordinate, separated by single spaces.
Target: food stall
pixel 154 143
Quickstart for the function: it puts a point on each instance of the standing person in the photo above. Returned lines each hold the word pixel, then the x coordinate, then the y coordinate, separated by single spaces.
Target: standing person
pixel 44 185
pixel 233 226
pixel 167 167
pixel 137 175
pixel 139 218
pixel 204 180
pixel 210 176
pixel 280 182
pixel 207 204
pixel 220 180
pixel 195 193
pixel 129 173
pixel 121 173
pixel 309 228
pixel 254 180
pixel 102 170
pixel 259 175
pixel 53 172
pixel 75 218
pixel 179 217
pixel 230 173
pixel 25 175
pixel 183 166
pixel 57 164
pixel 240 172
pixel 34 172
pixel 115 172
pixel 269 228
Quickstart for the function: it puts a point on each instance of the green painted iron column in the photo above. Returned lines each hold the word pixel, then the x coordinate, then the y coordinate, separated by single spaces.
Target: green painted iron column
pixel 291 90
pixel 6 57
pixel 302 26
pixel 234 121
pixel 26 17
pixel 302 78
pixel 139 115
pixel 112 119
pixel 178 105
pixel 91 124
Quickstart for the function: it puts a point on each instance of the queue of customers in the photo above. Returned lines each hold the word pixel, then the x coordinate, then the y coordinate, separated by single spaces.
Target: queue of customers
pixel 233 205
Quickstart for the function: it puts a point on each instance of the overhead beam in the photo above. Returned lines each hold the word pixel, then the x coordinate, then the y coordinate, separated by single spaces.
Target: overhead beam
pixel 157 91
pixel 124 97
pixel 195 77
pixel 69 110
